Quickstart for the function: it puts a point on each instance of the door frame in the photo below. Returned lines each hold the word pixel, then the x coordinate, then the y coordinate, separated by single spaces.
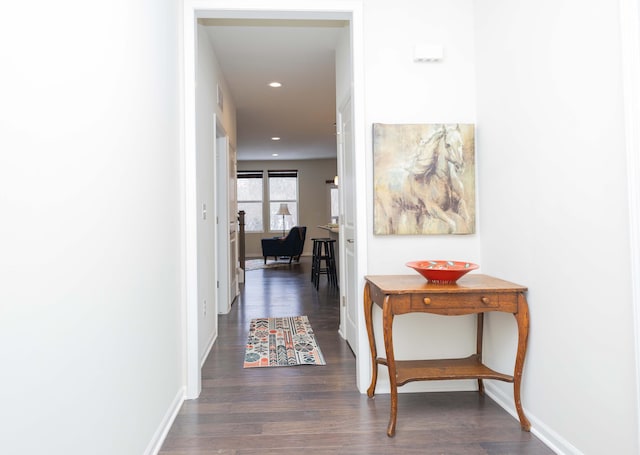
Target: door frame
pixel 630 45
pixel 223 218
pixel 350 10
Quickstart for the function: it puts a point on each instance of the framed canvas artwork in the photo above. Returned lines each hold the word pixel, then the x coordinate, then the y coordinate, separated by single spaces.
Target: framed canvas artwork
pixel 424 179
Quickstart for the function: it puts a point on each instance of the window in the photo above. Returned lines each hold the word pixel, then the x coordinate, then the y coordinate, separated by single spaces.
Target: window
pixel 250 199
pixel 334 203
pixel 333 200
pixel 283 189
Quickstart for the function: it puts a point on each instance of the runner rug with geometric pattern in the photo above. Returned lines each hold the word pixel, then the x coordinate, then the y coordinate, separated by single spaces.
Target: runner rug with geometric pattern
pixel 258 264
pixel 282 342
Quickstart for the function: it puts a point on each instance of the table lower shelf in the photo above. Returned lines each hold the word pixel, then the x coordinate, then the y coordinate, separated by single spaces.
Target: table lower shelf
pixel 443 369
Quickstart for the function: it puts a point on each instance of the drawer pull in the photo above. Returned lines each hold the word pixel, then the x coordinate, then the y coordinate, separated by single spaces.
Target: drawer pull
pixel 485 300
pixel 427 301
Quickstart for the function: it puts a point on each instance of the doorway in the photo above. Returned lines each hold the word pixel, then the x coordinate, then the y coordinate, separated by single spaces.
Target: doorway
pixel 350 11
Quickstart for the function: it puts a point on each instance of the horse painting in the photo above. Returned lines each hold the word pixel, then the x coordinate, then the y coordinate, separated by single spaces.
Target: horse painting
pixel 424 179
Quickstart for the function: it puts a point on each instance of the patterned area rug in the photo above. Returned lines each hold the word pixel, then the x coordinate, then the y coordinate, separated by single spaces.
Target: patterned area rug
pixel 257 264
pixel 282 342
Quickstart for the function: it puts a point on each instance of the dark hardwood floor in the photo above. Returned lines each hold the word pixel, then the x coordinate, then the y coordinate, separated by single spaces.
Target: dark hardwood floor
pixel 317 409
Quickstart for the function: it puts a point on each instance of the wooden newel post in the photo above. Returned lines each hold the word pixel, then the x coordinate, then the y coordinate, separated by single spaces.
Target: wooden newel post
pixel 241 246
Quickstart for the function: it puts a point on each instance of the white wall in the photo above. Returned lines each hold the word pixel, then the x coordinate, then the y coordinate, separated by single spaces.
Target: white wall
pixel 313 203
pixel 90 196
pixel 398 90
pixel 554 213
pixel 209 76
pixel 90 193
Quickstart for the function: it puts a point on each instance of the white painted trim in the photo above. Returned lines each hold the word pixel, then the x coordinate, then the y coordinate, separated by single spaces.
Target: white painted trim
pixel 165 425
pixel 549 437
pixel 360 133
pixel 207 350
pixel 192 367
pixel 630 43
pixel 183 209
pixel 455 385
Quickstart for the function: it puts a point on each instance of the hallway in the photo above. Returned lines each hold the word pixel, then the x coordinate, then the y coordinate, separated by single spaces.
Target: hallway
pixel 318 410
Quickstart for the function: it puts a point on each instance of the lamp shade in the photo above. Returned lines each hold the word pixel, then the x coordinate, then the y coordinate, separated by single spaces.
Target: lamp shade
pixel 283 210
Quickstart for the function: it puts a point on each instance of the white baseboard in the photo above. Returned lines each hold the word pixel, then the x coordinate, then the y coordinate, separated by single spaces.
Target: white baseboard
pixel 207 350
pixel 548 436
pixel 165 425
pixel 466 385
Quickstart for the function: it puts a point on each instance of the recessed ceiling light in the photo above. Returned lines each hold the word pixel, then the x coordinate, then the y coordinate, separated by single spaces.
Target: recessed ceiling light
pixel 274 154
pixel 275 84
pixel 275 138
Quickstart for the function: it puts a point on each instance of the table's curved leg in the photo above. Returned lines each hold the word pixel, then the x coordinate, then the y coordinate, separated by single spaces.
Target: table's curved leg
pixel 479 335
pixel 368 318
pixel 522 318
pixel 387 323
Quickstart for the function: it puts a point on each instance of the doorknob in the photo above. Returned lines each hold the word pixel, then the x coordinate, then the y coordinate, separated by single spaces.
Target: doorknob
pixel 350 240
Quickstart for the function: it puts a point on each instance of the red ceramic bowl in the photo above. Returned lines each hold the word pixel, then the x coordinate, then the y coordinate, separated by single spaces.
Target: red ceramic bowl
pixel 442 272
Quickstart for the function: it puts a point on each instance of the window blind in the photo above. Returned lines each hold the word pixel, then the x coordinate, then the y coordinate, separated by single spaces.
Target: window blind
pixel 250 174
pixel 286 173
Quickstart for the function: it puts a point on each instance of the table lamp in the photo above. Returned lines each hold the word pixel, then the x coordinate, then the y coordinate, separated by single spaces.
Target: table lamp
pixel 283 210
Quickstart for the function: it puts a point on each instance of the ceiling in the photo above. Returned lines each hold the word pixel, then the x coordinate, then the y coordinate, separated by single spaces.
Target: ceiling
pixel 300 54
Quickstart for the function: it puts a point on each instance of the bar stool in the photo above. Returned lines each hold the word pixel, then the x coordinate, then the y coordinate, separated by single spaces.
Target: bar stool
pixel 323 250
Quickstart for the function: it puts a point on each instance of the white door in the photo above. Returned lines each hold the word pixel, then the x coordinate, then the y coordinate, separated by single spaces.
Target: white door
pixel 234 286
pixel 348 271
pixel 227 281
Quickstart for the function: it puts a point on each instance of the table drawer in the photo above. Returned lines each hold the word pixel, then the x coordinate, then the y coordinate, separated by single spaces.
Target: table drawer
pixel 487 301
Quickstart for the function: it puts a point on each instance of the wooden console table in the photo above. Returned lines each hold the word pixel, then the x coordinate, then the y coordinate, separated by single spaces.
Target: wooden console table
pixel 472 294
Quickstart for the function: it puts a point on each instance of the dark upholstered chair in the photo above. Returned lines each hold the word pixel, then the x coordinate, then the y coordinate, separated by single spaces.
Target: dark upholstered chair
pixel 290 246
